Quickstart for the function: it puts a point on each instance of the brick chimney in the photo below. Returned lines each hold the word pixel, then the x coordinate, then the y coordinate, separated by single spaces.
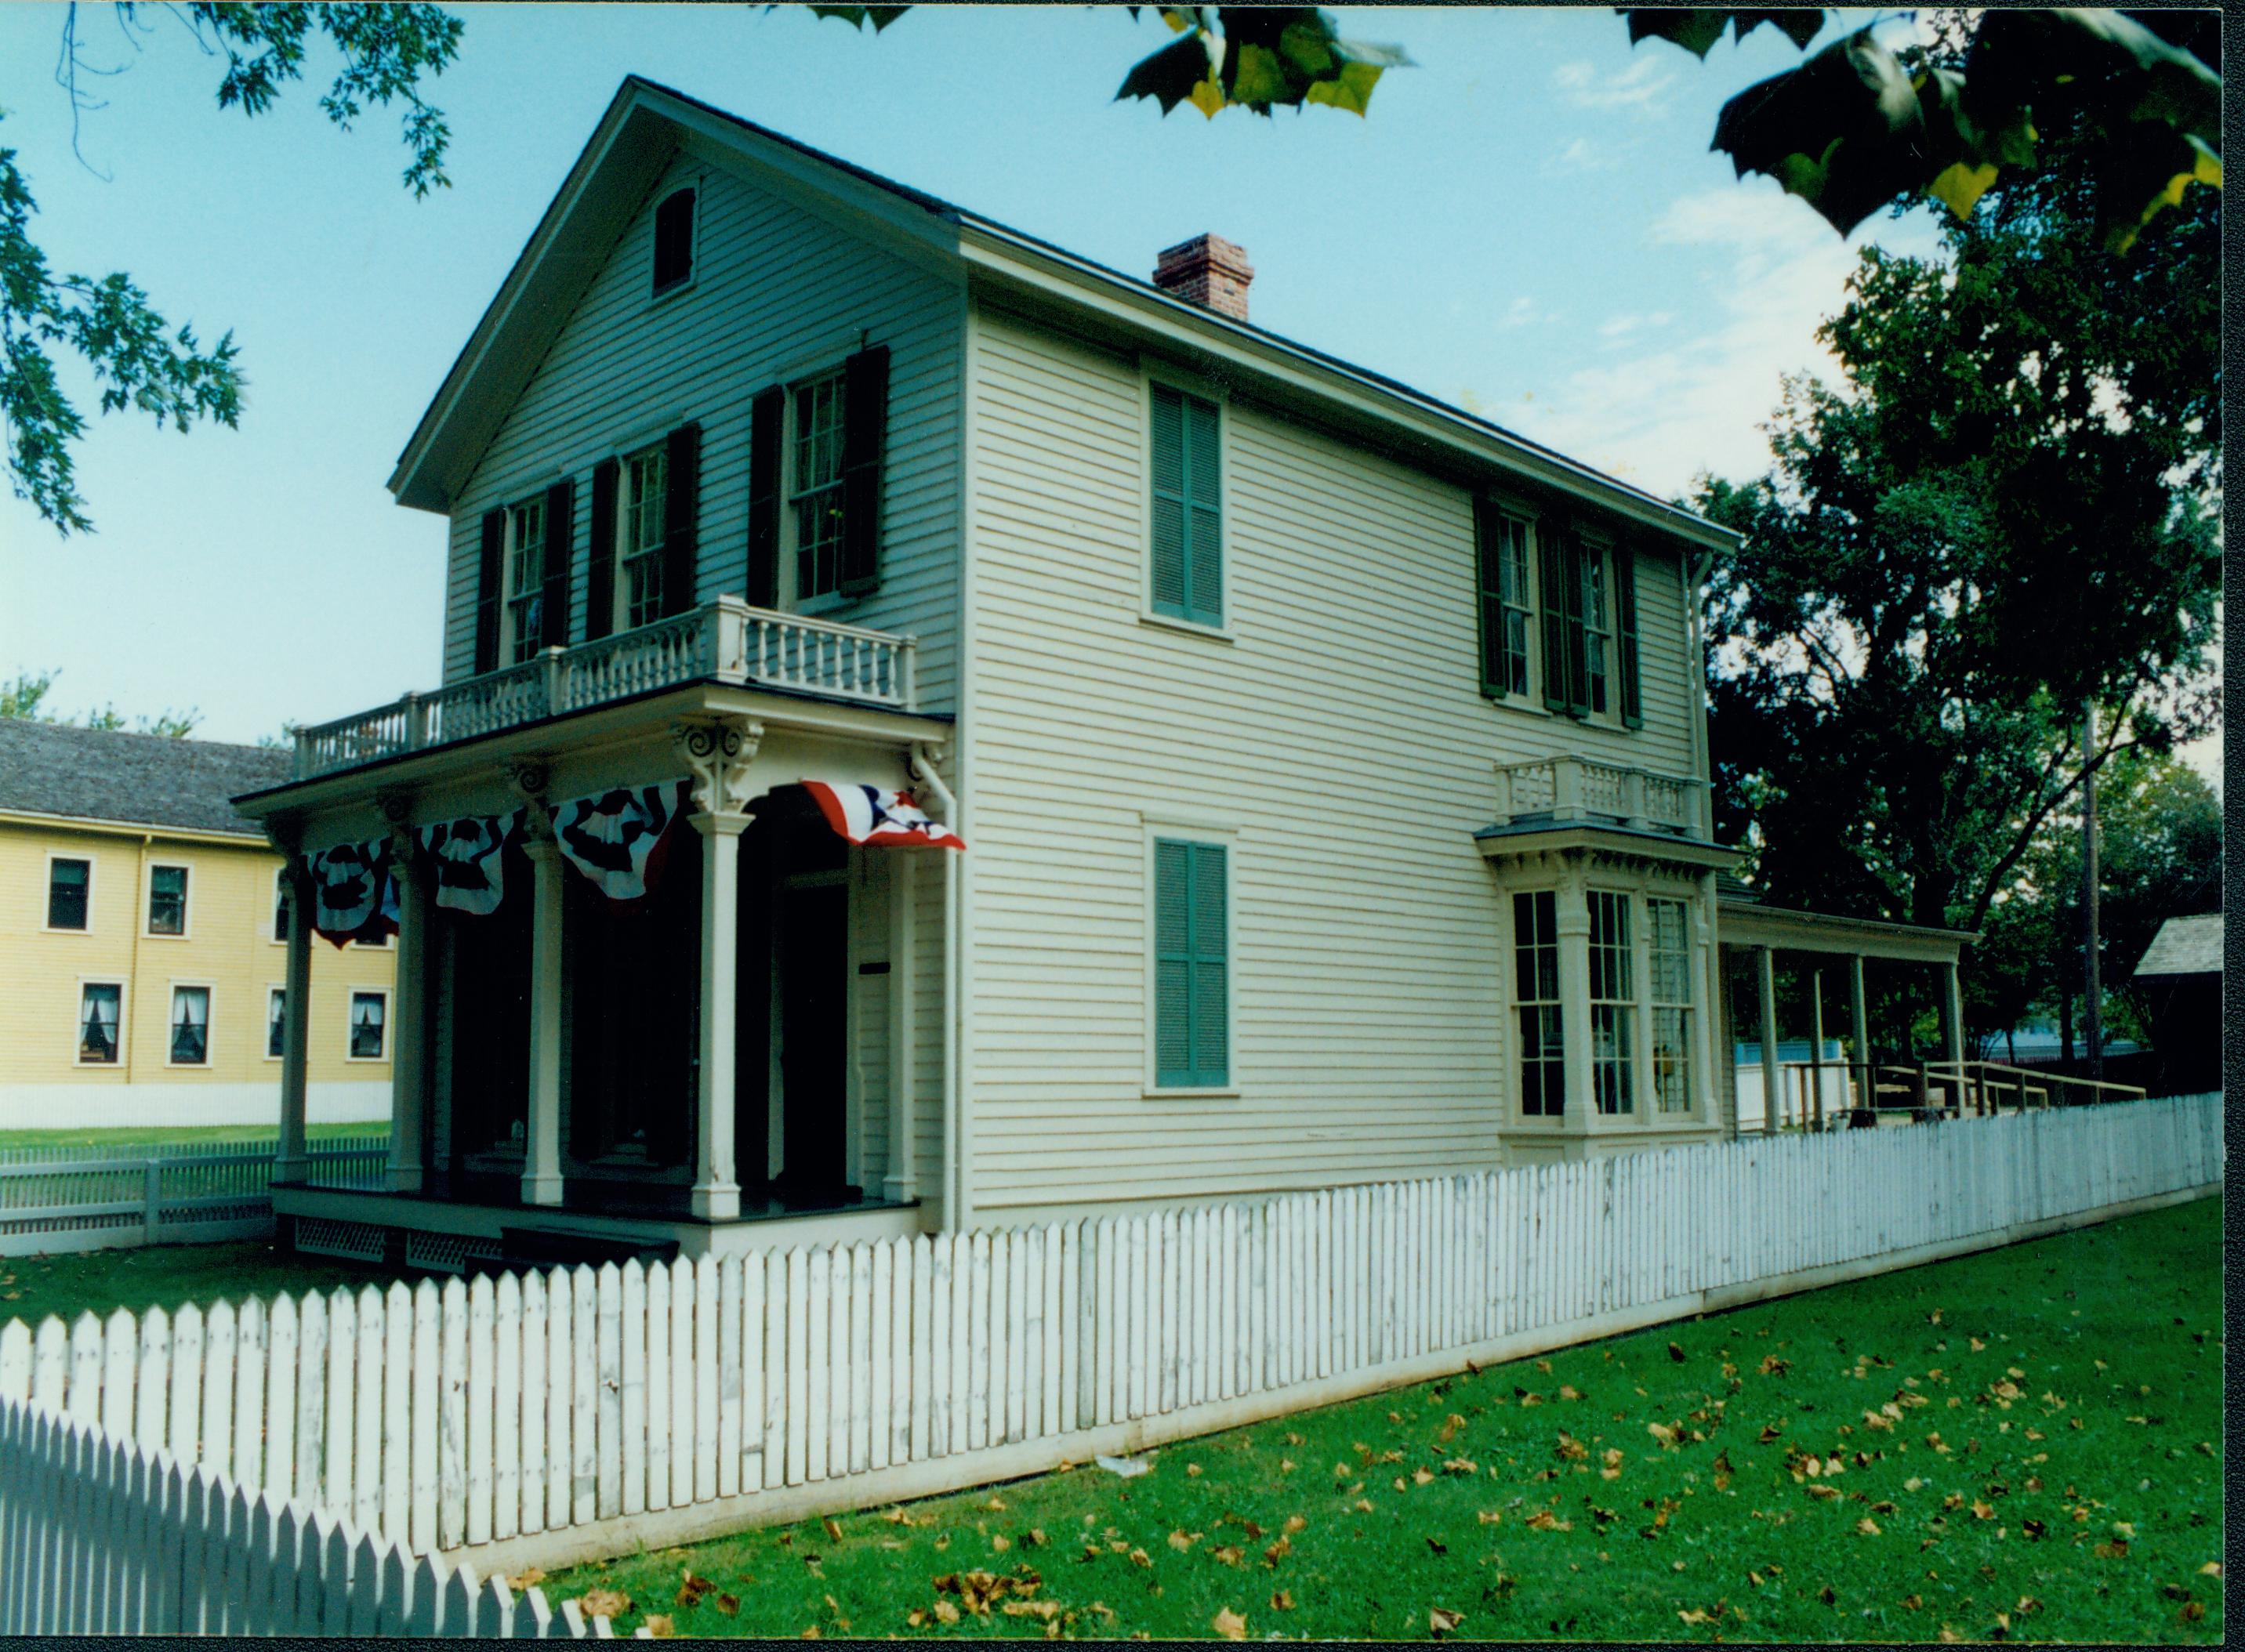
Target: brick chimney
pixel 1207 270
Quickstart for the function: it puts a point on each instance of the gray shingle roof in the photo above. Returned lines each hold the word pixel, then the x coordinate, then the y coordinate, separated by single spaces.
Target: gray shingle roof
pixel 2185 946
pixel 91 773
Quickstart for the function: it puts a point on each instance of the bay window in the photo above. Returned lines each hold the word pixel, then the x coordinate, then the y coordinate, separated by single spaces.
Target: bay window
pixel 1613 1041
pixel 1668 955
pixel 1536 992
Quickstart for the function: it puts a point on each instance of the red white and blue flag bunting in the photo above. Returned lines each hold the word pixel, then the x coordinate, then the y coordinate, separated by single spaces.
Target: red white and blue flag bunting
pixel 469 861
pixel 875 815
pixel 353 898
pixel 615 837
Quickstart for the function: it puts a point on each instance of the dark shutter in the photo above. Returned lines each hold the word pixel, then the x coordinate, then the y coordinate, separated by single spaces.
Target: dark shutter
pixel 864 434
pixel 1167 441
pixel 487 579
pixel 1203 514
pixel 560 554
pixel 680 515
pixel 767 416
pixel 601 554
pixel 1191 971
pixel 1553 576
pixel 1632 699
pixel 1488 545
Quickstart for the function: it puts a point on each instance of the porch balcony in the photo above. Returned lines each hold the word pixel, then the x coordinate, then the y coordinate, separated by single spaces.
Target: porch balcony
pixel 1569 789
pixel 726 642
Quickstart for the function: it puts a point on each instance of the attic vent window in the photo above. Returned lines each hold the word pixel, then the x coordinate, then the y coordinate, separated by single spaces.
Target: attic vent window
pixel 674 239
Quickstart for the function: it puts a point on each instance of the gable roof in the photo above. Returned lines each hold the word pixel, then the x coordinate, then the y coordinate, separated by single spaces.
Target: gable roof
pixel 140 779
pixel 2184 946
pixel 645 122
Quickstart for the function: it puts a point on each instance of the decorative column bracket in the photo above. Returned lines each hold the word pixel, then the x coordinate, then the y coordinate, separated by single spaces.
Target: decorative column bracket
pixel 720 753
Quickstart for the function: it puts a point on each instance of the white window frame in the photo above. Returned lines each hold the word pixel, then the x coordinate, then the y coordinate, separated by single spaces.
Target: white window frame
pixel 1653 1005
pixel 350 1011
pixel 1631 1002
pixel 791 596
pixel 695 182
pixel 1514 1004
pixel 1189 826
pixel 512 596
pixel 620 616
pixel 209 990
pixel 47 894
pixel 273 990
pixel 148 931
pixel 77 1021
pixel 1169 377
pixel 272 919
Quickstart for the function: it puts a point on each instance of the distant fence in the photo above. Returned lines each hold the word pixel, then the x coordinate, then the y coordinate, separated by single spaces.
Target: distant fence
pixel 101 1536
pixel 58 1199
pixel 575 1411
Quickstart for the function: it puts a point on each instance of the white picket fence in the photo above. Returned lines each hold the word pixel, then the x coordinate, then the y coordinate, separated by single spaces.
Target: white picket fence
pixel 100 1535
pixel 93 1198
pixel 449 1418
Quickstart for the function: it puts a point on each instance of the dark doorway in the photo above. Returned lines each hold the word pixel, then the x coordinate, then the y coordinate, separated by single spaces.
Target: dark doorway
pixel 489 1049
pixel 813 950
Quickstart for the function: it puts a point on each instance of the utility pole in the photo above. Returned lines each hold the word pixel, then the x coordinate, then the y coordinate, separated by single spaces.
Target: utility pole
pixel 2092 1016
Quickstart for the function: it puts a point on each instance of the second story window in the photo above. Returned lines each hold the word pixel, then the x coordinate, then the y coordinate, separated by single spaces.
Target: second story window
pixel 1188 508
pixel 68 884
pixel 646 483
pixel 525 579
pixel 167 900
pixel 191 1026
pixel 674 239
pixel 1505 608
pixel 1590 628
pixel 814 493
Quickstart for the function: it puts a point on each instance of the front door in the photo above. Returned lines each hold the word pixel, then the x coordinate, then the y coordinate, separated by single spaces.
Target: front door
pixel 813 948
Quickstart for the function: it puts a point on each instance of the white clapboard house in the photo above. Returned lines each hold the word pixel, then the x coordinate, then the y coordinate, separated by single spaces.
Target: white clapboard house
pixel 1330 763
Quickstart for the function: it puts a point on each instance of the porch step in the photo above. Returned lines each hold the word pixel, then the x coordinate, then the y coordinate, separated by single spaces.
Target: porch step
pixel 547 1248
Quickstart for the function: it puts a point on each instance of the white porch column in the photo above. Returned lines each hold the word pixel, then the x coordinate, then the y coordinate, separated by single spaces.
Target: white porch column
pixel 721 754
pixel 1766 991
pixel 1859 1028
pixel 290 1162
pixel 541 1149
pixel 1571 922
pixel 1952 1020
pixel 902 1182
pixel 408 1046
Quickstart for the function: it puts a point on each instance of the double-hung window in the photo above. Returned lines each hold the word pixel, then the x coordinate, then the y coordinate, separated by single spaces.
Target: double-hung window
pixel 646 478
pixel 1589 666
pixel 280 904
pixel 525 578
pixel 815 490
pixel 69 883
pixel 1506 612
pixel 1613 1004
pixel 369 1017
pixel 191 1026
pixel 167 900
pixel 276 1022
pixel 1535 997
pixel 1188 508
pixel 1192 986
pixel 98 1004
pixel 1668 958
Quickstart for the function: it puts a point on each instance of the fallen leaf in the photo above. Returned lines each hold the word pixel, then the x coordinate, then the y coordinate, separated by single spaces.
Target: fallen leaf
pixel 1868 1527
pixel 1230 1555
pixel 1567 1390
pixel 2117 1549
pixel 1442 1623
pixel 945 1612
pixel 728 1604
pixel 1000 1542
pixel 1544 1520
pixel 1229 1624
pixel 2212 1569
pixel 525 1579
pixel 607 1603
pixel 1490 1516
pixel 1774 1366
pixel 1139 1557
pixel 1282 1602
pixel 1277 1551
pixel 1296 1523
pixel 1695 1616
pixel 833 1529
pixel 659 1625
pixel 1461 1465
pixel 1181 1540
pixel 1675 1353
pixel 1437 1546
pixel 1422 1476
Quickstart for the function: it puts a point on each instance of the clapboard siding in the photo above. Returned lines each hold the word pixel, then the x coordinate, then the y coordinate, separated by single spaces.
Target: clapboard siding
pixel 1341 731
pixel 776 292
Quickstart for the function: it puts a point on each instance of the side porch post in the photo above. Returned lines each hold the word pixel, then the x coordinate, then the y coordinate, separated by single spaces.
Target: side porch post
pixel 902 1182
pixel 290 1162
pixel 409 1065
pixel 1952 1028
pixel 1859 1028
pixel 541 1150
pixel 1572 925
pixel 1765 992
pixel 720 755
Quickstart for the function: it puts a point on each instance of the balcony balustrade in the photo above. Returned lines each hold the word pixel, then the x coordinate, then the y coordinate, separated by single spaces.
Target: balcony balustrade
pixel 1577 788
pixel 727 640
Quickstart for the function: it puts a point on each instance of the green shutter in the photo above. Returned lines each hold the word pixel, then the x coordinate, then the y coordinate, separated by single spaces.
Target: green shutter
pixel 1489 539
pixel 1191 971
pixel 1551 575
pixel 1632 699
pixel 1188 508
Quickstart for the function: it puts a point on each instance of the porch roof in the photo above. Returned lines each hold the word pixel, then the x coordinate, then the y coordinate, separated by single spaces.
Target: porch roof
pixel 1743 921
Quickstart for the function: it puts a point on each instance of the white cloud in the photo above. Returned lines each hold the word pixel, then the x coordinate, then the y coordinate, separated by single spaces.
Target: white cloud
pixel 1640 87
pixel 1666 402
pixel 1581 155
pixel 1524 311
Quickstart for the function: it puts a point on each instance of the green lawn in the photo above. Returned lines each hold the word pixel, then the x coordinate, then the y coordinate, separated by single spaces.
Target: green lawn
pixel 2049 1470
pixel 163 1275
pixel 135 1135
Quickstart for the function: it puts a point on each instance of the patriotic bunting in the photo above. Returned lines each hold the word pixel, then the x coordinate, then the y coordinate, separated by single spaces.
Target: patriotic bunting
pixel 354 899
pixel 615 837
pixel 873 815
pixel 469 861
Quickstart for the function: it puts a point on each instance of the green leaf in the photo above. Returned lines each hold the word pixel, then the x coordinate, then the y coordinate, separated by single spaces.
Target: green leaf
pixel 1698 28
pixel 1270 56
pixel 858 16
pixel 2144 176
pixel 1171 75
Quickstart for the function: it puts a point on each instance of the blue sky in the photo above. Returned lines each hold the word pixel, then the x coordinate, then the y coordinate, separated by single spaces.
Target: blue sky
pixel 1530 223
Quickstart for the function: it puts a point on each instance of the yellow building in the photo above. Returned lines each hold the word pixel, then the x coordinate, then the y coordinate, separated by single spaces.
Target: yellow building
pixel 144 947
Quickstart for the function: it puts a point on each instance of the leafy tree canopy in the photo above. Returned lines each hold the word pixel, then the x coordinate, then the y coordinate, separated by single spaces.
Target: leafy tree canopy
pixel 139 361
pixel 26 696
